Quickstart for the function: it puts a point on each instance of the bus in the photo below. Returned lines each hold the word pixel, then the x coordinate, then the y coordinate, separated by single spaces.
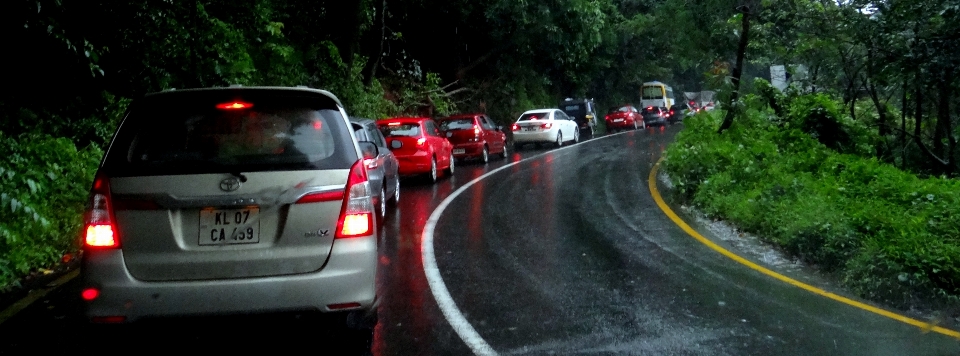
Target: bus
pixel 656 94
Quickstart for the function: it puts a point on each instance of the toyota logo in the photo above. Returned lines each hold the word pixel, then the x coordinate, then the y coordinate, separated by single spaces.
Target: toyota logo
pixel 230 184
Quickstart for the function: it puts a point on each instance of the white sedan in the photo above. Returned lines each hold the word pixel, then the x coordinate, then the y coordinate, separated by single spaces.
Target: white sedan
pixel 544 126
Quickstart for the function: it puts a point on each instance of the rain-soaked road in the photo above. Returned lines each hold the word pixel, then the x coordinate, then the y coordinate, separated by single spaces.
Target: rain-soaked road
pixel 565 252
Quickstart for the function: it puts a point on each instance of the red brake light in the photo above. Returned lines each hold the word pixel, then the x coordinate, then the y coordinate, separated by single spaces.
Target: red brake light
pixel 356 215
pixel 99 228
pixel 421 141
pixel 321 197
pixel 547 125
pixel 236 105
pixel 476 130
pixel 515 127
pixel 90 294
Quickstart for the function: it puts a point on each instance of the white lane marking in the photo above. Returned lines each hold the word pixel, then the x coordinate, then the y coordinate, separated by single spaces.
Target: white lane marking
pixel 448 307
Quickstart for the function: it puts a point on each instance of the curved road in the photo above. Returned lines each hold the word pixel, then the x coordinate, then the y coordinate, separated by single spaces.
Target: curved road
pixel 564 252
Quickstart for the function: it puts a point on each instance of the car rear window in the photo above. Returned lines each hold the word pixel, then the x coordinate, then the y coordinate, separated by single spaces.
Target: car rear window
pixel 228 131
pixel 650 111
pixel 456 124
pixel 403 130
pixel 573 108
pixel 615 110
pixel 535 116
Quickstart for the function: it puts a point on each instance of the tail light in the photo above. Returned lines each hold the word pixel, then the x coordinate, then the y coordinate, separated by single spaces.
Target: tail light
pixel 421 141
pixel 547 125
pixel 607 117
pixel 476 130
pixel 356 215
pixel 99 228
pixel 515 127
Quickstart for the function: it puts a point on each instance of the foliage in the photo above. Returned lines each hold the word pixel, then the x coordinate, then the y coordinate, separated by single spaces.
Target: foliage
pixel 42 194
pixel 891 236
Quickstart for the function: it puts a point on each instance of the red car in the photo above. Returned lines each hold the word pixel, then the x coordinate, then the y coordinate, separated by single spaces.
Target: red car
pixel 418 145
pixel 625 117
pixel 474 136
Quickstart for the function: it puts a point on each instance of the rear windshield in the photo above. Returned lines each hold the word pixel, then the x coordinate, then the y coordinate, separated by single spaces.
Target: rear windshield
pixel 650 111
pixel 573 108
pixel 403 130
pixel 192 132
pixel 615 110
pixel 456 124
pixel 535 116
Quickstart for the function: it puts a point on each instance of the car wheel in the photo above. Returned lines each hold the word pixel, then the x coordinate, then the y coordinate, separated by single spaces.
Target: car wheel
pixel 485 155
pixel 450 169
pixel 559 139
pixel 576 135
pixel 396 191
pixel 504 154
pixel 433 170
pixel 634 125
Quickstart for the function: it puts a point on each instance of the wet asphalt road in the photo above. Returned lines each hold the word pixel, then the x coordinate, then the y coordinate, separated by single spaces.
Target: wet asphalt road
pixel 563 253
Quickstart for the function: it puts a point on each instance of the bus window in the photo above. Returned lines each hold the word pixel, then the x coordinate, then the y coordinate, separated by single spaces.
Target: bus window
pixel 653 92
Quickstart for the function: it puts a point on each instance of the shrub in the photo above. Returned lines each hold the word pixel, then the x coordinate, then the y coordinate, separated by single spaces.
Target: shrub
pixel 44 186
pixel 891 236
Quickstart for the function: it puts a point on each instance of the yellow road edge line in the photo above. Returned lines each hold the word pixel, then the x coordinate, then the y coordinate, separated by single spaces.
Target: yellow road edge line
pixel 34 295
pixel 696 235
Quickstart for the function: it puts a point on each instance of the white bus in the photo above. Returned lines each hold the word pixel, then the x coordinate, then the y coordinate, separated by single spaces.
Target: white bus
pixel 656 94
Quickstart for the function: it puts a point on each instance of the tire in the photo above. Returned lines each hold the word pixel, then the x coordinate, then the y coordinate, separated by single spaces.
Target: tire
pixel 576 135
pixel 634 125
pixel 449 169
pixel 504 153
pixel 485 155
pixel 559 139
pixel 433 170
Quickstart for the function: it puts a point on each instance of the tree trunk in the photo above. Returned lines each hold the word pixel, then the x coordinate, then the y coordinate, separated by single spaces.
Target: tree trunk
pixel 939 165
pixel 737 70
pixel 371 71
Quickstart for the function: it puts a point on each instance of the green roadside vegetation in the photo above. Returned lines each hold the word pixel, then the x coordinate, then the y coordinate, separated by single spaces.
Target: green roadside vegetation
pixel 806 181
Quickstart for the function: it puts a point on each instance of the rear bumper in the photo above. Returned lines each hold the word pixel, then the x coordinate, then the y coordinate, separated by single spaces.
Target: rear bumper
pixel 418 163
pixel 470 149
pixel 348 277
pixel 656 121
pixel 626 123
pixel 530 137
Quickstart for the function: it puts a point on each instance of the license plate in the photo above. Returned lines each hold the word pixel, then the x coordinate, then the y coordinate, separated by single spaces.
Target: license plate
pixel 531 128
pixel 459 151
pixel 229 226
pixel 618 120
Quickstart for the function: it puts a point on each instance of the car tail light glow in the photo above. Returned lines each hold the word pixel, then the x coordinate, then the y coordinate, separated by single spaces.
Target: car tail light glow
pixel 342 306
pixel 236 105
pixel 99 228
pixel 515 127
pixel 89 294
pixel 476 130
pixel 319 197
pixel 356 215
pixel 421 141
pixel 547 125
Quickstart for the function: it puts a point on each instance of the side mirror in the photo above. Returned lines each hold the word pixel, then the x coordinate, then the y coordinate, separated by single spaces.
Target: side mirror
pixel 368 149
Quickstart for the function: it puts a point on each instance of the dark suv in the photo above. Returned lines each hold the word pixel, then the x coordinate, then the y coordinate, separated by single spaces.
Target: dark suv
pixel 583 112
